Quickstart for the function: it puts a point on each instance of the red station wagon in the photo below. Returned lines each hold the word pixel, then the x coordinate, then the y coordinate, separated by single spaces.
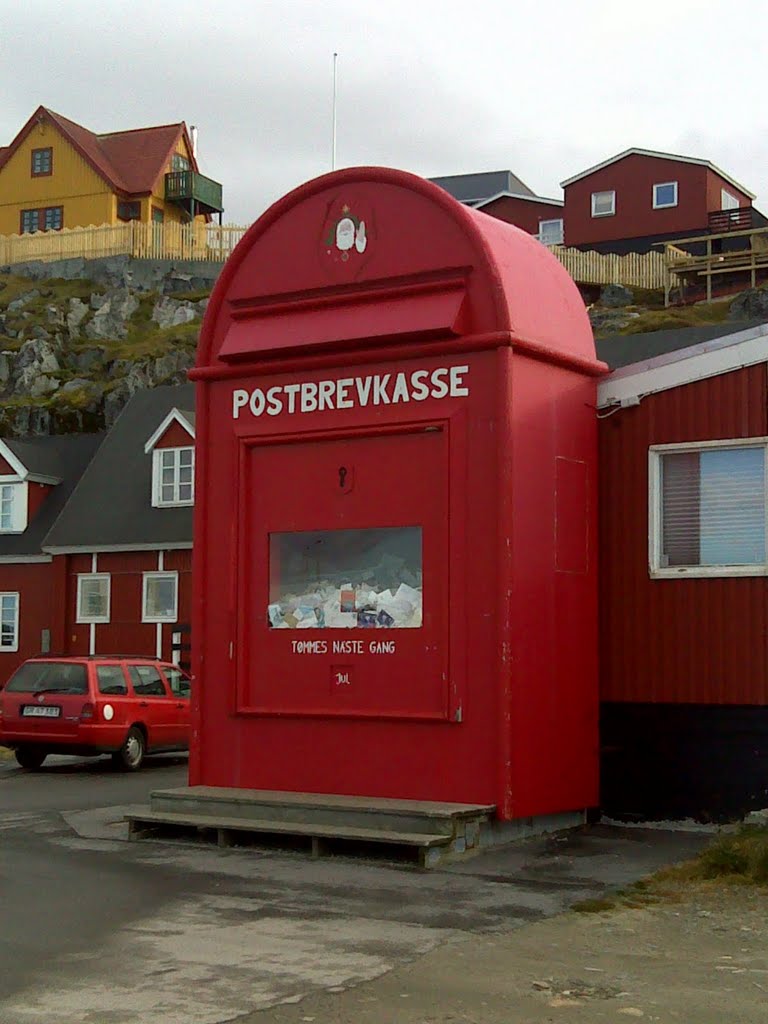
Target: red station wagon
pixel 126 707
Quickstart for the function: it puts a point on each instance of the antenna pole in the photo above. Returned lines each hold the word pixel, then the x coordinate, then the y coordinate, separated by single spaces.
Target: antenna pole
pixel 333 140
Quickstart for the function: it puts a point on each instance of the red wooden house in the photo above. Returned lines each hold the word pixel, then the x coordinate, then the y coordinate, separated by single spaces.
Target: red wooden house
pixel 96 535
pixel 683 598
pixel 502 195
pixel 639 197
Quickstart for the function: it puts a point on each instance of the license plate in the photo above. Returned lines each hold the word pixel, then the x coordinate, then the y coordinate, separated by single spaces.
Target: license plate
pixel 40 711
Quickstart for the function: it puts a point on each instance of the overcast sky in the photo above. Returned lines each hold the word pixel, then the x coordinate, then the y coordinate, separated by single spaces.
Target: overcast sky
pixel 545 88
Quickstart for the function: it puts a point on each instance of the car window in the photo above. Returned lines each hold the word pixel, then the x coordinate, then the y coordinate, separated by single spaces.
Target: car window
pixel 48 676
pixel 146 681
pixel 111 679
pixel 179 683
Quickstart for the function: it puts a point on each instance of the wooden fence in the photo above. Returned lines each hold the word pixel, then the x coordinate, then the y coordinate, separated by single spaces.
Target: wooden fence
pixel 214 242
pixel 635 270
pixel 169 240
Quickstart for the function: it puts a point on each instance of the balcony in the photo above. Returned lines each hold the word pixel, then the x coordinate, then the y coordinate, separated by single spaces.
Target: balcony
pixel 196 193
pixel 722 221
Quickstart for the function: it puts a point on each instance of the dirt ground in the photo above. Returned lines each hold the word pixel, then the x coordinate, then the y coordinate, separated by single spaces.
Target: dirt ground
pixel 695 953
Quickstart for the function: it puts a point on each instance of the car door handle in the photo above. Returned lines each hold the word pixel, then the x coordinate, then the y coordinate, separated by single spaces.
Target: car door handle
pixel 181 704
pixel 143 704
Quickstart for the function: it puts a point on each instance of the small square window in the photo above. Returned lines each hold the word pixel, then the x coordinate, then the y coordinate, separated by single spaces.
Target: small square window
pixel 7 492
pixel 665 195
pixel 93 594
pixel 9 622
pixel 603 204
pixel 160 599
pixel 179 162
pixel 129 211
pixel 42 162
pixel 30 221
pixel 551 232
pixel 157 215
pixel 173 476
pixel 53 218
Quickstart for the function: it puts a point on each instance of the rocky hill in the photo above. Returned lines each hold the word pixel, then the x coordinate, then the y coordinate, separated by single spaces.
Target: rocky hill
pixel 74 348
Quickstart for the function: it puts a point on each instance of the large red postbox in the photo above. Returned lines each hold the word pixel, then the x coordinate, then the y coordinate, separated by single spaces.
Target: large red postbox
pixel 394 575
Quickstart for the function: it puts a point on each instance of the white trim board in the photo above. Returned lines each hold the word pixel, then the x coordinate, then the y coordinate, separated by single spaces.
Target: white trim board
pixel 106 549
pixel 658 156
pixel 478 204
pixel 685 366
pixel 174 416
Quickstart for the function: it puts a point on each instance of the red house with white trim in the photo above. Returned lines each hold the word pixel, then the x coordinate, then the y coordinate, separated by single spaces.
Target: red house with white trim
pixel 96 535
pixel 639 197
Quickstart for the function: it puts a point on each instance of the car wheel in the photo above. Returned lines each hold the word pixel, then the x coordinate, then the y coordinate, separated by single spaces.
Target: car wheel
pixel 30 757
pixel 130 756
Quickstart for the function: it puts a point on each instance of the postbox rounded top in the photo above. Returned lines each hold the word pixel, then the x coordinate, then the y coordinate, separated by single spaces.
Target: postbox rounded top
pixel 374 254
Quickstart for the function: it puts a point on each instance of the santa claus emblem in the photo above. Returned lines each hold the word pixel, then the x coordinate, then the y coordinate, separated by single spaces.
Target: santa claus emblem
pixel 346 236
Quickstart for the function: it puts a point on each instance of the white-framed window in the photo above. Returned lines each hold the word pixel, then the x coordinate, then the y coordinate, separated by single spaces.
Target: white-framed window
pixel 604 204
pixel 160 598
pixel 7 492
pixel 664 195
pixel 551 232
pixel 728 201
pixel 93 596
pixel 13 508
pixel 707 509
pixel 9 621
pixel 173 476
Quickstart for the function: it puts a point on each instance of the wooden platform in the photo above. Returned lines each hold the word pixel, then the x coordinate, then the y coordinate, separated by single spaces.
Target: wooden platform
pixel 422 832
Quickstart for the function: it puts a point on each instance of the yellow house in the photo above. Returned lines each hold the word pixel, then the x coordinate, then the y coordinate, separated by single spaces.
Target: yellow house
pixel 57 174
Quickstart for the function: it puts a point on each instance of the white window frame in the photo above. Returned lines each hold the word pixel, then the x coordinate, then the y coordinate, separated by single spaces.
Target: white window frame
pixel 148 576
pixel 14 646
pixel 19 504
pixel 728 201
pixel 554 220
pixel 655 568
pixel 664 184
pixel 605 192
pixel 81 577
pixel 157 477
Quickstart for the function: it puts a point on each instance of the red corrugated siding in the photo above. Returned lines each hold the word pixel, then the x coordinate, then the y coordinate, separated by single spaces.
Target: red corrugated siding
pixel 32 582
pixel 682 641
pixel 175 437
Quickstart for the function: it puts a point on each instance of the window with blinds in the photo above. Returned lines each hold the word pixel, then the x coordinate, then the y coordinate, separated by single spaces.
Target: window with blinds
pixel 712 507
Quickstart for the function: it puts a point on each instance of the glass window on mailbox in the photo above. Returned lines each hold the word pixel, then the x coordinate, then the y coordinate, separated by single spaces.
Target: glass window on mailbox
pixel 346 579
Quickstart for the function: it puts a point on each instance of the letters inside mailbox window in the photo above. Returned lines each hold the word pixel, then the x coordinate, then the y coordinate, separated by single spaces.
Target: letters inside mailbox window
pixel 346 579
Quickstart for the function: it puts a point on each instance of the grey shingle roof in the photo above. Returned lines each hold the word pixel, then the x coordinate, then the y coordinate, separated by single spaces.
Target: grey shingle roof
pixel 472 188
pixel 111 506
pixel 66 457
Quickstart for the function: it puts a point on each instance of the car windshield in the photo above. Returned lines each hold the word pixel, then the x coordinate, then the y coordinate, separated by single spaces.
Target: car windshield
pixel 48 676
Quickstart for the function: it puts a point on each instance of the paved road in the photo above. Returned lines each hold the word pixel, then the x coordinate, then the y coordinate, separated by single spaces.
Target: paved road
pixel 96 929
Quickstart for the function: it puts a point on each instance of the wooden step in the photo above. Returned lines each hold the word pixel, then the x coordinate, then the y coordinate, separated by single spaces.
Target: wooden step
pixel 321 811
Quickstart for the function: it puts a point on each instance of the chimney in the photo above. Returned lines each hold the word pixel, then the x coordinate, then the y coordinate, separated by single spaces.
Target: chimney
pixel 193 133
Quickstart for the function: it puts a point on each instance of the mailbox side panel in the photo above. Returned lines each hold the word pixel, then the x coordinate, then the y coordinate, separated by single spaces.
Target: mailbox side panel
pixel 452 757
pixel 554 688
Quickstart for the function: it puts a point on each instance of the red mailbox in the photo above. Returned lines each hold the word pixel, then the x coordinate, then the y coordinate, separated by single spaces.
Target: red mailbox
pixel 394 576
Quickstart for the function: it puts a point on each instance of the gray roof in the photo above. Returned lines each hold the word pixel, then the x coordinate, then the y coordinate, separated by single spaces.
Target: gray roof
pixel 473 188
pixel 624 349
pixel 111 506
pixel 66 457
pixel 37 459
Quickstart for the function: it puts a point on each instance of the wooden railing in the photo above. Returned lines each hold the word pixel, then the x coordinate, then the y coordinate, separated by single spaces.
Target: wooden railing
pixel 170 240
pixel 720 221
pixel 742 253
pixel 214 242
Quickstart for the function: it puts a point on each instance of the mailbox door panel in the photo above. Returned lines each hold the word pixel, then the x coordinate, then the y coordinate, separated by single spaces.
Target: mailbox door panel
pixel 347 590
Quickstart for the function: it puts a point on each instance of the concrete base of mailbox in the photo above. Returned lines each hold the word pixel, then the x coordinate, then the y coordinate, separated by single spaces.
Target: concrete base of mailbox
pixel 433 832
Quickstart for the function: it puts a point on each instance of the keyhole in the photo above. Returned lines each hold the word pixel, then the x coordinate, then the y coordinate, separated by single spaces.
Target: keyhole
pixel 342 475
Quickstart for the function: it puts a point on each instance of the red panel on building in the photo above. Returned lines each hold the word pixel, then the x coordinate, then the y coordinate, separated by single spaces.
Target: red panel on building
pixel 384 604
pixel 685 641
pixel 176 436
pixel 523 213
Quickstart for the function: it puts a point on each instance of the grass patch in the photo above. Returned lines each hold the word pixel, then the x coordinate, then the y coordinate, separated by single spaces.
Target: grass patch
pixel 676 317
pixel 741 857
pixel 594 906
pixel 204 293
pixel 148 344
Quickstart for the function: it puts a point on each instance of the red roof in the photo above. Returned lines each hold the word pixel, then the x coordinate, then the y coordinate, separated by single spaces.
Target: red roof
pixel 131 162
